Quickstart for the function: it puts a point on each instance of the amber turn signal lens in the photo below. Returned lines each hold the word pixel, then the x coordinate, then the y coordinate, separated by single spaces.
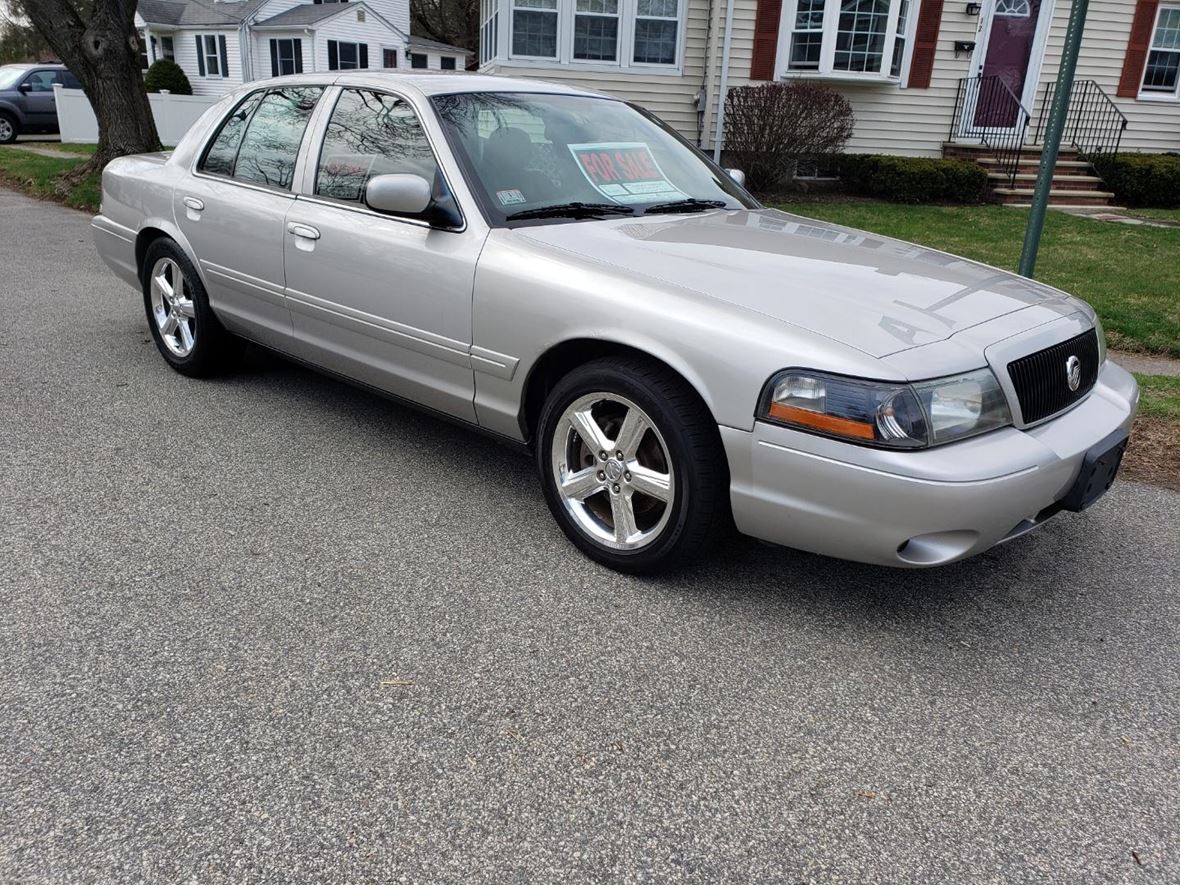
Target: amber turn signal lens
pixel 823 423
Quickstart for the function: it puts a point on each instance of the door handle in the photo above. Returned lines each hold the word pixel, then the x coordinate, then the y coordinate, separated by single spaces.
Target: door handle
pixel 303 230
pixel 194 204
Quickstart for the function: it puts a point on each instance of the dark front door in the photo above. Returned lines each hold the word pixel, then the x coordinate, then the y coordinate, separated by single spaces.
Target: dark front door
pixel 1010 42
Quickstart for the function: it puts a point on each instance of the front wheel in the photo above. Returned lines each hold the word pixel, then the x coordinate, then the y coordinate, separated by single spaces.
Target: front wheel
pixel 632 465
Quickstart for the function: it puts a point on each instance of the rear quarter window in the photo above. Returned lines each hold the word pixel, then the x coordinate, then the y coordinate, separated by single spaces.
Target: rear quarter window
pixel 260 140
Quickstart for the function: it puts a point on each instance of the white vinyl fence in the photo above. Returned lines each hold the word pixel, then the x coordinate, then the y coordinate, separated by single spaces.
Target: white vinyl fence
pixel 174 115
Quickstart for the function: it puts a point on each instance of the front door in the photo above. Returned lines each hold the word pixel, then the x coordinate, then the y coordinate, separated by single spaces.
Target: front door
pixel 383 300
pixel 1007 60
pixel 40 101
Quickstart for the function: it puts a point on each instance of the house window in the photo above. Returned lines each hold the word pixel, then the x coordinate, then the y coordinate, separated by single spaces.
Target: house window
pixel 534 28
pixel 211 55
pixel 807 35
pixel 418 60
pixel 848 38
pixel 143 50
pixel 389 58
pixel 489 30
pixel 1163 60
pixel 596 30
pixel 447 62
pixel 167 49
pixel 347 56
pixel 286 57
pixel 656 25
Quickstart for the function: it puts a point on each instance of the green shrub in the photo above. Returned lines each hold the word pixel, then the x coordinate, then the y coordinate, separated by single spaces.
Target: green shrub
pixel 167 74
pixel 1150 180
pixel 914 179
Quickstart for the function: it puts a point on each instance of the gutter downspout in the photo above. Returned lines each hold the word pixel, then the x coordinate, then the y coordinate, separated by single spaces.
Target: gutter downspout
pixel 723 90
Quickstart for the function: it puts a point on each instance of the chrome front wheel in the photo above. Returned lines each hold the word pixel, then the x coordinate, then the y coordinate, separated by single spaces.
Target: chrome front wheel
pixel 7 130
pixel 613 471
pixel 172 307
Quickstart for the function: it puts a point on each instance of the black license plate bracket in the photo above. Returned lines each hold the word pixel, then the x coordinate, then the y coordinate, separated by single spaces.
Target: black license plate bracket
pixel 1099 468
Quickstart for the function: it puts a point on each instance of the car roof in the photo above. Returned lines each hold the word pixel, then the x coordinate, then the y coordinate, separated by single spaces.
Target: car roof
pixel 428 83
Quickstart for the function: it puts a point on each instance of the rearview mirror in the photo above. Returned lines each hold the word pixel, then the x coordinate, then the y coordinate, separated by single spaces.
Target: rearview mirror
pixel 737 175
pixel 398 194
pixel 26 88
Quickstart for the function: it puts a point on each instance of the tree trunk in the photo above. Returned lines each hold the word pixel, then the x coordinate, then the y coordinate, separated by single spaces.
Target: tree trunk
pixel 103 53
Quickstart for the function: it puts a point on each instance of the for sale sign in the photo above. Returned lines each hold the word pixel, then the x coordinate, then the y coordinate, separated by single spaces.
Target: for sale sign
pixel 625 172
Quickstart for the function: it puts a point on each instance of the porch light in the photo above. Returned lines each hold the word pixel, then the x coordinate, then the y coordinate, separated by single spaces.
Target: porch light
pixel 974 8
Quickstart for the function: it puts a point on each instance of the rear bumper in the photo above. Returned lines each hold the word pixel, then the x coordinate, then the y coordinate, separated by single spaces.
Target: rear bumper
pixel 915 509
pixel 116 247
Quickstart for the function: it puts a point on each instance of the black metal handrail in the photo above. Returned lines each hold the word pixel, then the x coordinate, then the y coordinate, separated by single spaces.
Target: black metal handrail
pixel 1093 125
pixel 988 111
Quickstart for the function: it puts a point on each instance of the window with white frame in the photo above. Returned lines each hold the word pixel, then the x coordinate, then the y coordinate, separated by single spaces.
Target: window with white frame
pixel 209 58
pixel 847 38
pixel 657 27
pixel 489 30
pixel 596 30
pixel 1160 75
pixel 1014 8
pixel 609 33
pixel 534 28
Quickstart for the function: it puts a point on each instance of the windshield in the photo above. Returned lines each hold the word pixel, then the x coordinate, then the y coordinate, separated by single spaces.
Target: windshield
pixel 10 76
pixel 529 151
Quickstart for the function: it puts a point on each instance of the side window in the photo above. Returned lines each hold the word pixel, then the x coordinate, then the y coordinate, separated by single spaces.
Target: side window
pixel 69 81
pixel 369 134
pixel 223 152
pixel 266 153
pixel 42 81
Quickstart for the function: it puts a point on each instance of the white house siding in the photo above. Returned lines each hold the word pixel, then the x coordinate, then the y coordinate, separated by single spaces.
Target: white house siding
pixel 1152 126
pixel 345 28
pixel 669 96
pixel 185 47
pixel 433 59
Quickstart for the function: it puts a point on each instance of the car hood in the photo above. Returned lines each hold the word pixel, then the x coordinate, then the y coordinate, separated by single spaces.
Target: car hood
pixel 878 295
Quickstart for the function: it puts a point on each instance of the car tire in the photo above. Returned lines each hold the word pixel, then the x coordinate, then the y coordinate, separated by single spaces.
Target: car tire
pixel 665 499
pixel 186 331
pixel 9 129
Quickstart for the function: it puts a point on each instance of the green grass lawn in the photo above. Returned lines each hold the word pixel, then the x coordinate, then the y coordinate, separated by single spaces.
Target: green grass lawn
pixel 1164 214
pixel 71 148
pixel 1130 274
pixel 1159 396
pixel 36 174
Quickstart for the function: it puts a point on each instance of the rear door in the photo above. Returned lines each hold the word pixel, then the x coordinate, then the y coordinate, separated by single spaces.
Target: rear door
pixel 233 204
pixel 382 299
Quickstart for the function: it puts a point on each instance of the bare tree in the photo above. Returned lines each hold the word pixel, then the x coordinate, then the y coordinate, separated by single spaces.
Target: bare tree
pixel 100 45
pixel 448 21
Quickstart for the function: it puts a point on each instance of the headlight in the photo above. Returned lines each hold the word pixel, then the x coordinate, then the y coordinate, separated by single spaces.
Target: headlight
pixel 888 414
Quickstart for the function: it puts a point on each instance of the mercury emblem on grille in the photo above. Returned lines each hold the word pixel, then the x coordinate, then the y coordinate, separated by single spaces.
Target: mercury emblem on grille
pixel 1073 372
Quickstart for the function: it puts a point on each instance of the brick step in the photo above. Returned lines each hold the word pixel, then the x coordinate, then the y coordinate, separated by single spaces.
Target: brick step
pixel 1057 197
pixel 973 152
pixel 1060 182
pixel 1064 167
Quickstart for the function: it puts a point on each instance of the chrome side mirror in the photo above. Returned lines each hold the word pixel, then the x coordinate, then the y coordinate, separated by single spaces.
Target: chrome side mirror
pixel 737 175
pixel 398 194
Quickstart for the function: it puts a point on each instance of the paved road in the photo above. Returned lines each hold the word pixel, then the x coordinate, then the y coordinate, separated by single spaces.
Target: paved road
pixel 274 627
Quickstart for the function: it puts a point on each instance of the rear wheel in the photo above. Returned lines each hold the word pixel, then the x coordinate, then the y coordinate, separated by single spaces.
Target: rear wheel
pixel 187 333
pixel 632 465
pixel 9 129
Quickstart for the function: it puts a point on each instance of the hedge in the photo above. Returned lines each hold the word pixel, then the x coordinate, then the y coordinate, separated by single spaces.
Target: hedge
pixel 1150 180
pixel 167 74
pixel 914 179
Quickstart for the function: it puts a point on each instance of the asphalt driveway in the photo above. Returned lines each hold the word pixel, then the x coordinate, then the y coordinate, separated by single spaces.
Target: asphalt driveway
pixel 275 627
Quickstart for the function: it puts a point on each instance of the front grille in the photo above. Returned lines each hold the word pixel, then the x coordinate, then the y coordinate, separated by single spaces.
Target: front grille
pixel 1041 379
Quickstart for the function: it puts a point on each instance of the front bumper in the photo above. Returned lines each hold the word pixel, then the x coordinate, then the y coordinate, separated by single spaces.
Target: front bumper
pixel 915 509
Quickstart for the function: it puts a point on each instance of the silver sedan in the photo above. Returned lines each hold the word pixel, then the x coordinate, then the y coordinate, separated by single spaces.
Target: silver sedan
pixel 561 270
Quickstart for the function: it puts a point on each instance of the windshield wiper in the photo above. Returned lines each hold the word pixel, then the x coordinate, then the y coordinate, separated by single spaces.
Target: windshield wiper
pixel 690 205
pixel 571 210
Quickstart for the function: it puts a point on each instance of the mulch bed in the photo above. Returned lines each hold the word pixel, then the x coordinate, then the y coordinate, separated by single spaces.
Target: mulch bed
pixel 1154 453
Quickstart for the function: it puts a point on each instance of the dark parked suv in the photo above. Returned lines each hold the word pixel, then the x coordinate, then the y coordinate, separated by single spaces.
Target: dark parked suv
pixel 26 98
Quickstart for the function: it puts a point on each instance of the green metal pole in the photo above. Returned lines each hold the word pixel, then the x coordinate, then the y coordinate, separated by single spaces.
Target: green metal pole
pixel 1053 132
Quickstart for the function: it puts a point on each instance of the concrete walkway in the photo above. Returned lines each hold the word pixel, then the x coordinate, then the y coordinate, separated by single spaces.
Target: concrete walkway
pixel 43 151
pixel 1147 365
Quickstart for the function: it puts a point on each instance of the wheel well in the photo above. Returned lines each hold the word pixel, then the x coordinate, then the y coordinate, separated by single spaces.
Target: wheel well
pixel 143 242
pixel 560 360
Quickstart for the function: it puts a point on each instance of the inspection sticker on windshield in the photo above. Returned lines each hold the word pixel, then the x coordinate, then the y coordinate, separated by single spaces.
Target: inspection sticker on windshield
pixel 510 198
pixel 625 172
